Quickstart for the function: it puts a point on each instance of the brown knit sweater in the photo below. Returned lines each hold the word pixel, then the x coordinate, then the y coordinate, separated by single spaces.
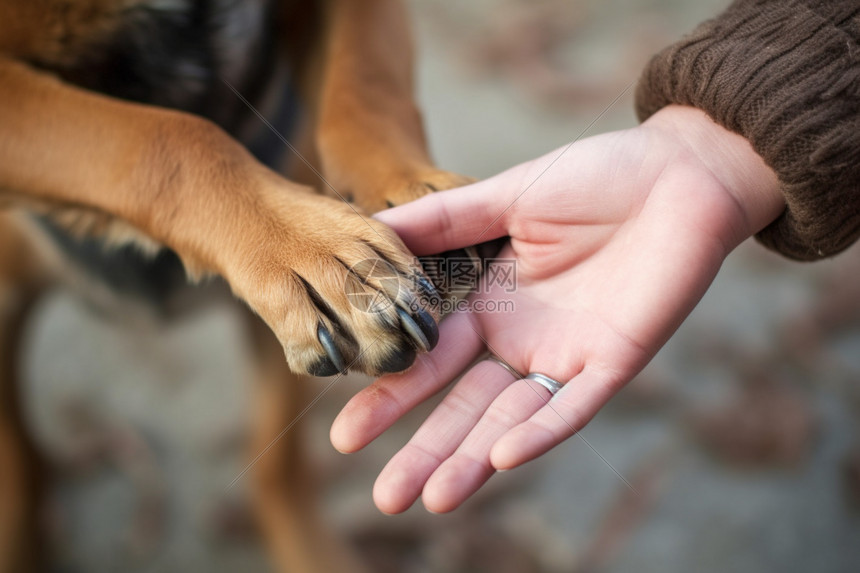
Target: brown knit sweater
pixel 786 75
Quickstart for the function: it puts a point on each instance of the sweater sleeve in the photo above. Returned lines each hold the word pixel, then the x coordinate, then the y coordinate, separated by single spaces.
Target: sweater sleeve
pixel 785 74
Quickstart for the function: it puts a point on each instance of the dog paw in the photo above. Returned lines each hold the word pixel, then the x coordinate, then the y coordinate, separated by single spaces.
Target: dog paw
pixel 340 290
pixel 400 189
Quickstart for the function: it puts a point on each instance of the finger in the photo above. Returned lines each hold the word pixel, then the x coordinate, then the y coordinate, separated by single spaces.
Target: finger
pixel 375 408
pixel 567 413
pixel 401 481
pixel 455 218
pixel 469 467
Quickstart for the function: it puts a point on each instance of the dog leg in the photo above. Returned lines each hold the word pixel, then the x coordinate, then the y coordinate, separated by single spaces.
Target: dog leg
pixel 284 491
pixel 20 282
pixel 298 259
pixel 370 134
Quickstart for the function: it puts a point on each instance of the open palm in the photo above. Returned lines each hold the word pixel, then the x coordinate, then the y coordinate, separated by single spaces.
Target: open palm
pixel 615 238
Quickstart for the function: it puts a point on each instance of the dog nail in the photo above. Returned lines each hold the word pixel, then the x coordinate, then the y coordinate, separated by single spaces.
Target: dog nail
pixel 399 361
pixel 421 329
pixel 334 356
pixel 428 327
pixel 323 367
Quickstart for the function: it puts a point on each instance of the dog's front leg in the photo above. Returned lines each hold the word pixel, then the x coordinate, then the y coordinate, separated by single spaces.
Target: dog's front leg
pixel 308 265
pixel 22 278
pixel 370 134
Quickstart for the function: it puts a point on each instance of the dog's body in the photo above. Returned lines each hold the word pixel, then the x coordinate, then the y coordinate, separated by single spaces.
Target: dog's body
pixel 132 123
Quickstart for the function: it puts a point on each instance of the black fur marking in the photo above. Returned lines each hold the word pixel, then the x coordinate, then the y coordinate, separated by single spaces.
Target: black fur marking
pixel 124 269
pixel 174 57
pixel 162 57
pixel 268 147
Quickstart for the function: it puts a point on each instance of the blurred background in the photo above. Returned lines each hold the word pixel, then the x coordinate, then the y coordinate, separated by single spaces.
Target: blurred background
pixel 741 438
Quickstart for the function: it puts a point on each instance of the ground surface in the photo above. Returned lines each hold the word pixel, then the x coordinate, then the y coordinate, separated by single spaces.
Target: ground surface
pixel 740 438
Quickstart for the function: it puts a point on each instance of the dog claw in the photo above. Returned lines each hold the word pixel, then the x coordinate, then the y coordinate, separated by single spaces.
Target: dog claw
pixel 428 327
pixel 421 329
pixel 399 361
pixel 335 359
pixel 323 368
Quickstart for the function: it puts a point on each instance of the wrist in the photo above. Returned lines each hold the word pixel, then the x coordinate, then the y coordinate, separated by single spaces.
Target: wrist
pixel 730 158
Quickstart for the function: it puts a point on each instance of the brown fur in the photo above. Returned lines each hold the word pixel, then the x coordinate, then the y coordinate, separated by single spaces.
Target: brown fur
pixel 125 171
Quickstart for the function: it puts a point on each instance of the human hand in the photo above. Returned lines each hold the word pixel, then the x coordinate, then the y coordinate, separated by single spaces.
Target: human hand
pixel 615 239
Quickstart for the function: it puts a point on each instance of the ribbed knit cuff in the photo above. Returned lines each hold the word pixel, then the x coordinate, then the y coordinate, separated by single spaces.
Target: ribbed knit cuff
pixel 785 74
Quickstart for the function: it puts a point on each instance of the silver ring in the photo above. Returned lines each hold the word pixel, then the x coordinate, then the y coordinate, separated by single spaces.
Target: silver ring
pixel 550 384
pixel 505 365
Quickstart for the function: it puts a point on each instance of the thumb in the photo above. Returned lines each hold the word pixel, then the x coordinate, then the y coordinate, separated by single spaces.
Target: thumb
pixel 454 218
